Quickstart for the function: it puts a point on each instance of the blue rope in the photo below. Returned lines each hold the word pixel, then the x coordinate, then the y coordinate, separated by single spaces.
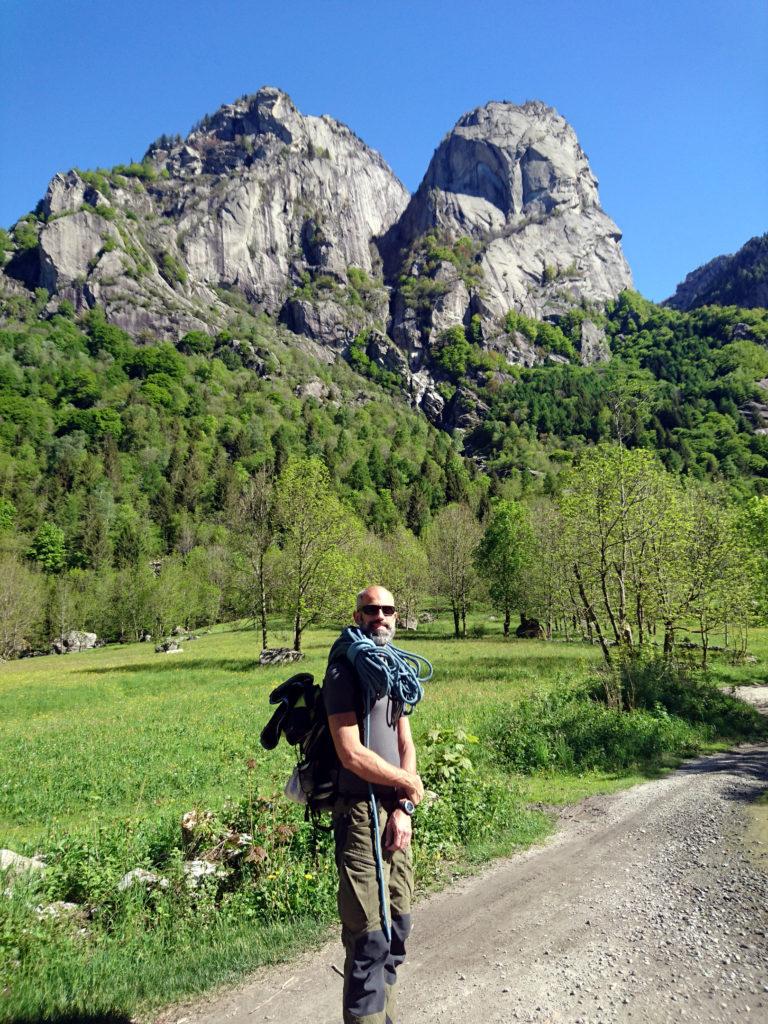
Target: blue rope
pixel 386 671
pixel 383 672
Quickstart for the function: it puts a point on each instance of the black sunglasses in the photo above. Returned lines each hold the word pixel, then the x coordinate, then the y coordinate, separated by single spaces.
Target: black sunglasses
pixel 373 609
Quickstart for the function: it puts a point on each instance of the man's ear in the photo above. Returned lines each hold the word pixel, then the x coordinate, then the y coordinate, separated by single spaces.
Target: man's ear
pixel 358 617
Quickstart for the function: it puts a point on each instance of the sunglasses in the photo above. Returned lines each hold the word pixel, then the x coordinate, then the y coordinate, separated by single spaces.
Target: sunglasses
pixel 374 609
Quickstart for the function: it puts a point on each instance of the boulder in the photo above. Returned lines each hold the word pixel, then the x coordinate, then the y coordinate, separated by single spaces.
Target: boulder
pixel 529 629
pixel 279 656
pixel 73 641
pixel 143 879
pixel 16 864
pixel 169 647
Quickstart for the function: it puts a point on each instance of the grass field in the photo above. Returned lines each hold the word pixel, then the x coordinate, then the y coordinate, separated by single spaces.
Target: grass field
pixel 101 753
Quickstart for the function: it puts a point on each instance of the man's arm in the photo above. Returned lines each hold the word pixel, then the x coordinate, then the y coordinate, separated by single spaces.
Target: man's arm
pixel 405 746
pixel 368 765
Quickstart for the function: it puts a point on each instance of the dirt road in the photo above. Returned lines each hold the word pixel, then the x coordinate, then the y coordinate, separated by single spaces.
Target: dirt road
pixel 645 907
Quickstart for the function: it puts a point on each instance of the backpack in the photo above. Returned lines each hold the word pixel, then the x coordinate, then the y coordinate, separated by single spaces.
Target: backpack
pixel 301 718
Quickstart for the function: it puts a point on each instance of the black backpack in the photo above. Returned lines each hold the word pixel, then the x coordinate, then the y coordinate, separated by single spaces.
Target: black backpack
pixel 300 717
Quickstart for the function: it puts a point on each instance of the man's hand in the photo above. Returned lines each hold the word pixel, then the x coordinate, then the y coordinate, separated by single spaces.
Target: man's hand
pixel 397 834
pixel 413 788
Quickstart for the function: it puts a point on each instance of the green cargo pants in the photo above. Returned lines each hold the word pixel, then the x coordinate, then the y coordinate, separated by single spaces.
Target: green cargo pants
pixel 370 967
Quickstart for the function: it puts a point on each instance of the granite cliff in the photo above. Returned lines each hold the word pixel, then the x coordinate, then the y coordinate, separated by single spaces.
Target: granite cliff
pixel 266 209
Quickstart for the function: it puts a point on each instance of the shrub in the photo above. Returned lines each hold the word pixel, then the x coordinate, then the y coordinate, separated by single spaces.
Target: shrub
pixel 651 681
pixel 567 730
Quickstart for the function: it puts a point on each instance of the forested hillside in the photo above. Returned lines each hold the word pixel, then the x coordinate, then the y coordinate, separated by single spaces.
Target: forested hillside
pixel 692 386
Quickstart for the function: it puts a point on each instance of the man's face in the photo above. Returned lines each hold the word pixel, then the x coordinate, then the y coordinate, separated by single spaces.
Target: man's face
pixel 376 615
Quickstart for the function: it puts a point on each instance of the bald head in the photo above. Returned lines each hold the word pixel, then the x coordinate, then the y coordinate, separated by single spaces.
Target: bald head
pixel 375 614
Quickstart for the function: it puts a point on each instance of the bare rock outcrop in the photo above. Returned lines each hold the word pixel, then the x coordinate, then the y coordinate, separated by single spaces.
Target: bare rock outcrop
pixel 740 279
pixel 514 181
pixel 258 200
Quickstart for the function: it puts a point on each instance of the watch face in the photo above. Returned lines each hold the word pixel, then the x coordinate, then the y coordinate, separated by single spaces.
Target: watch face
pixel 407 806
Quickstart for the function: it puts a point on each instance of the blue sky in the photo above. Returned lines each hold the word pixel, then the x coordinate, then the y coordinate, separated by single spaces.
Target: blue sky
pixel 669 101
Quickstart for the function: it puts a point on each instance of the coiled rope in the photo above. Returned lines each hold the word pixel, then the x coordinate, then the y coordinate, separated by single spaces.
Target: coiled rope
pixel 383 672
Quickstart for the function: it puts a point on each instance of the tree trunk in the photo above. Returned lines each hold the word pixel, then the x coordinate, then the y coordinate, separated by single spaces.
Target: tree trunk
pixel 669 638
pixel 263 603
pixel 297 630
pixel 506 623
pixel 590 613
pixel 456 628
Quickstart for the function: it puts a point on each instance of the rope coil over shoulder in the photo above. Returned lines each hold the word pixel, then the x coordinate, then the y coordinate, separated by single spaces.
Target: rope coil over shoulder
pixel 383 672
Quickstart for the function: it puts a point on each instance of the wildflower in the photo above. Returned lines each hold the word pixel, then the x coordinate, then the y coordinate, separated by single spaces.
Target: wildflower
pixel 309 877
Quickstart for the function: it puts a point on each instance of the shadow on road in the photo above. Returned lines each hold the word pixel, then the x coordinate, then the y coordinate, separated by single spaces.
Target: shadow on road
pixel 748 763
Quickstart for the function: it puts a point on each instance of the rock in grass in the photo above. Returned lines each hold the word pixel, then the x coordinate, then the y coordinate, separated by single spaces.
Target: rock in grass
pixel 279 656
pixel 168 647
pixel 61 910
pixel 74 640
pixel 142 877
pixel 198 870
pixel 16 864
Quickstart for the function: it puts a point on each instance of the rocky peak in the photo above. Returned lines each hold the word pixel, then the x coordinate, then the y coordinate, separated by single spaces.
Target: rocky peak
pixel 740 279
pixel 515 181
pixel 257 202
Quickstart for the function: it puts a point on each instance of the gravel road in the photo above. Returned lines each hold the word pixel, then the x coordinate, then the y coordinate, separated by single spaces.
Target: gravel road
pixel 646 906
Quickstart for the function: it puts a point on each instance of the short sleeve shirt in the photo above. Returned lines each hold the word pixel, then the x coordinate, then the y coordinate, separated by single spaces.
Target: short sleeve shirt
pixel 341 693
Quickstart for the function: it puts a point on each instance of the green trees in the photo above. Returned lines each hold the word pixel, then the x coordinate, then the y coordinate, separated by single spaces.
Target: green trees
pixel 21 594
pixel 317 537
pixel 502 554
pixel 48 548
pixel 451 542
pixel 642 552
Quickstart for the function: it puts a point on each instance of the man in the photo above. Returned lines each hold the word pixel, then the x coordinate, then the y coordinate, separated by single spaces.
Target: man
pixel 389 764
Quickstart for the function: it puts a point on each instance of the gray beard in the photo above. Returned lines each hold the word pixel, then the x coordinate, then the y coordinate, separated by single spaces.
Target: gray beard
pixel 381 638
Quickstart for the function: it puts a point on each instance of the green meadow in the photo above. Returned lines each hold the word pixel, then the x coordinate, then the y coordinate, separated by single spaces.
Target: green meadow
pixel 102 752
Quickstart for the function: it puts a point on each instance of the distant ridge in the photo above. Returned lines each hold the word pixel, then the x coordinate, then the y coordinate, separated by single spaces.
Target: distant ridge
pixel 740 279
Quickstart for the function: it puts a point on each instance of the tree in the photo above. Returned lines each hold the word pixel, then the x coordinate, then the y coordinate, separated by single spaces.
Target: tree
pixel 403 569
pixel 502 554
pixel 21 596
pixel 316 533
pixel 48 548
pixel 254 519
pixel 613 506
pixel 452 540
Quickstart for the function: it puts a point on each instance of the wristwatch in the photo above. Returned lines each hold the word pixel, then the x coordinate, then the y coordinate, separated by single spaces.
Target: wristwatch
pixel 406 806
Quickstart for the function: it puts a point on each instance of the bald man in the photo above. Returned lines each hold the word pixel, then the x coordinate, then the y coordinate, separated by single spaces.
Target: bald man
pixel 388 763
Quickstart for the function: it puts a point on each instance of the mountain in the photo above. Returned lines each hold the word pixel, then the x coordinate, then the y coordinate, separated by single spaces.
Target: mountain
pixel 737 280
pixel 296 217
pixel 514 182
pixel 254 201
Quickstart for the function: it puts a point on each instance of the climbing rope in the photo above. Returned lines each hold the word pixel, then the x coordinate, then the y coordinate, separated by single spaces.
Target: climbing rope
pixel 383 672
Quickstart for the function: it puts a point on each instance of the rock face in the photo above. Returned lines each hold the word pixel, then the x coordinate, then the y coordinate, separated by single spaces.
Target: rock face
pixel 264 209
pixel 737 280
pixel 257 201
pixel 515 181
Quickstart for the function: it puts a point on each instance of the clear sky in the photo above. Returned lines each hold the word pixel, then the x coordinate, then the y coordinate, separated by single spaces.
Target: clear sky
pixel 669 100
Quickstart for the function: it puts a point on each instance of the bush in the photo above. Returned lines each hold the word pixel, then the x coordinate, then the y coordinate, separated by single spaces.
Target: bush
pixel 651 681
pixel 569 731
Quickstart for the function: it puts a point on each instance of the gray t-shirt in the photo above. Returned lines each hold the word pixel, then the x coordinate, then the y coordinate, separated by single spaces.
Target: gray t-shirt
pixel 342 694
